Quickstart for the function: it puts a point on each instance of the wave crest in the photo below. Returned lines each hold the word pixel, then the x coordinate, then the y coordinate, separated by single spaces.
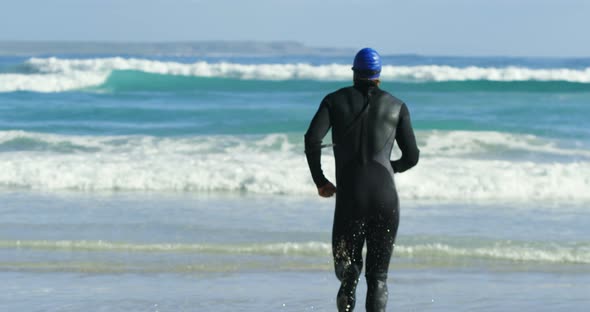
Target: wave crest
pixel 58 75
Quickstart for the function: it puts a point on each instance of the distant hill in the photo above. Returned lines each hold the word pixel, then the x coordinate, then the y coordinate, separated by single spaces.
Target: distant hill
pixel 196 48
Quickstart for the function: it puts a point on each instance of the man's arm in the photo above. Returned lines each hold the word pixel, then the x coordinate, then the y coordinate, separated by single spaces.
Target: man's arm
pixel 406 141
pixel 319 126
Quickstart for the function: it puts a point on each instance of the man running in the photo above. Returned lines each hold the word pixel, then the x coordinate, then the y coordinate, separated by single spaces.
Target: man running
pixel 365 122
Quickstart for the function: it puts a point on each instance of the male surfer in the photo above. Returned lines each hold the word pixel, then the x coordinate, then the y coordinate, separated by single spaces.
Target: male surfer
pixel 365 122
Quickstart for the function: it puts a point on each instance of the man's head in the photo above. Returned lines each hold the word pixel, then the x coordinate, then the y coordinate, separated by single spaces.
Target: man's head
pixel 367 65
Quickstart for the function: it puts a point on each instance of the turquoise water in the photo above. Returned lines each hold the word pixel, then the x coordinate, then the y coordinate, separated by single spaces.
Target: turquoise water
pixel 180 184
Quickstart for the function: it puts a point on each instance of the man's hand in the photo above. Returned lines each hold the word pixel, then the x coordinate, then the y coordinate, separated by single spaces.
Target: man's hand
pixel 327 190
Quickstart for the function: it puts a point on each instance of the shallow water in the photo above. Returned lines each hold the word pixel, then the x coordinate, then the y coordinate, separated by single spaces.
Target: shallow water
pixel 185 252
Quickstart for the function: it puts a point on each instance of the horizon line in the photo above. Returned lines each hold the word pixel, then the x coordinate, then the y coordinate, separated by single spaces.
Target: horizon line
pixel 265 48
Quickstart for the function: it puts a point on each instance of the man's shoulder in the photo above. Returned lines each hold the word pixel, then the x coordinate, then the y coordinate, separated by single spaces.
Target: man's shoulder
pixel 341 91
pixel 345 91
pixel 338 95
pixel 390 97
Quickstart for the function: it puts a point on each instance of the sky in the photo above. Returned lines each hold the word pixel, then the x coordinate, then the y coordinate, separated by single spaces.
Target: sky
pixel 553 28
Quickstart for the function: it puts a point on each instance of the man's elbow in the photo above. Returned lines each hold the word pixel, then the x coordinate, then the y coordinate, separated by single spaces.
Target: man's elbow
pixel 309 138
pixel 413 161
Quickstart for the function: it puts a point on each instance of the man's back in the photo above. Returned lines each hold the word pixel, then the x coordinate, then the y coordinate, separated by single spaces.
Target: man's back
pixel 365 122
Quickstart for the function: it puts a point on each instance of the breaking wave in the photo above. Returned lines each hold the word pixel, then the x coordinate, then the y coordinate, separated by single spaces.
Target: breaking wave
pixel 455 165
pixel 59 75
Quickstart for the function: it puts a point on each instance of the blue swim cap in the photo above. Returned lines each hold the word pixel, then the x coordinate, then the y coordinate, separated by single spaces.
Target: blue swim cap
pixel 367 64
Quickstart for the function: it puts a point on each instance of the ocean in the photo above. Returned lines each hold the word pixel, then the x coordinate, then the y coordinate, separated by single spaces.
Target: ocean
pixel 179 183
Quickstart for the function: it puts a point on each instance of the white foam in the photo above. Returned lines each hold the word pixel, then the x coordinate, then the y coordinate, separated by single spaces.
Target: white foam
pixel 522 252
pixel 148 163
pixel 284 248
pixel 511 73
pixel 470 143
pixel 511 252
pixel 467 179
pixel 275 164
pixel 56 75
pixel 307 71
pixel 54 82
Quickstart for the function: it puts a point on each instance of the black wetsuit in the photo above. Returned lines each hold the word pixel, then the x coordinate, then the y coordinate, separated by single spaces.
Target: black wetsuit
pixel 365 121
